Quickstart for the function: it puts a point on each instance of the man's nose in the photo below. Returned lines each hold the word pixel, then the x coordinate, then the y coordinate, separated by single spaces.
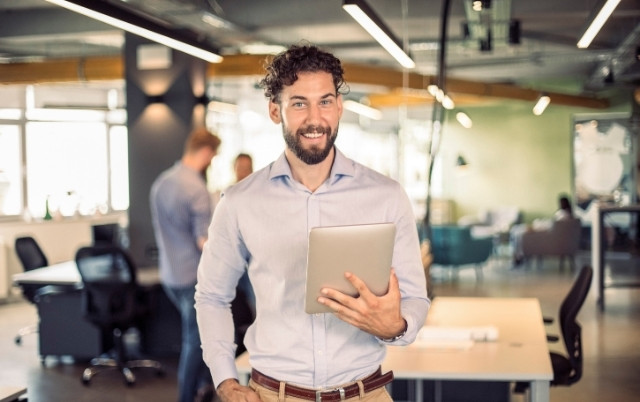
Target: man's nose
pixel 314 115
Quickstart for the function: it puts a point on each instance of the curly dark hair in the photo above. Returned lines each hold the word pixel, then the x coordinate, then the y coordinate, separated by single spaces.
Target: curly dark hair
pixel 283 69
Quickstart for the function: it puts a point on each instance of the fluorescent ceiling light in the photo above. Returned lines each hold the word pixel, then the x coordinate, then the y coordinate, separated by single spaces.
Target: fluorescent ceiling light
pixel 216 21
pixel 370 21
pixel 597 23
pixel 448 103
pixel 541 105
pixel 261 48
pixel 117 17
pixel 361 109
pixel 464 119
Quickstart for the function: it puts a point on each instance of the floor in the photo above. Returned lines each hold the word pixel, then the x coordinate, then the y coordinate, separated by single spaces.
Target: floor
pixel 611 338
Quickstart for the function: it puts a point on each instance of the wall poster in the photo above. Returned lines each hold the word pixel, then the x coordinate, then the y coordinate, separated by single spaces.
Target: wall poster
pixel 604 165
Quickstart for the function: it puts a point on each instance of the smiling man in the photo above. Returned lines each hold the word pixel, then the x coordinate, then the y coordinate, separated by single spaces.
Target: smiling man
pixel 263 223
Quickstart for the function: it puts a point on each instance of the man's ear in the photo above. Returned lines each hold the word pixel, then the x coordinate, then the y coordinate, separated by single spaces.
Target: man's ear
pixel 274 112
pixel 340 107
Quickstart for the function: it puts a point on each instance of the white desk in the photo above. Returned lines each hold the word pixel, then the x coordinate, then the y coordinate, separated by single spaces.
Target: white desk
pixel 63 330
pixel 66 273
pixel 10 394
pixel 521 352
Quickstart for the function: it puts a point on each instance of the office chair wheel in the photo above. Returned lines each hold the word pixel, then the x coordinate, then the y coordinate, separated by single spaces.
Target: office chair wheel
pixel 129 378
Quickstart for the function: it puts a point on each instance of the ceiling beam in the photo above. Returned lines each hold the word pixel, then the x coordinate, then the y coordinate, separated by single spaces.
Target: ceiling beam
pixel 112 68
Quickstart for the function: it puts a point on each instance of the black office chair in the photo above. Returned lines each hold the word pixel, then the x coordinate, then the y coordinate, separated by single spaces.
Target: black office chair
pixel 31 257
pixel 113 301
pixel 567 369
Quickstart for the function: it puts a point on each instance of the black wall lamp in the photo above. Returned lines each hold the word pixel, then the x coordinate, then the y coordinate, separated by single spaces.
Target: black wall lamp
pixel 120 18
pixel 155 99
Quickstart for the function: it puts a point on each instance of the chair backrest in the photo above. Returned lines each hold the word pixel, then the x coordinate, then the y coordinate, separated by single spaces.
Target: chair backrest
pixel 109 285
pixel 567 234
pixel 105 234
pixel 571 331
pixel 454 245
pixel 30 253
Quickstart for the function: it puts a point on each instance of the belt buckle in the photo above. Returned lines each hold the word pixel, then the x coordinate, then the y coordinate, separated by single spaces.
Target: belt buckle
pixel 340 390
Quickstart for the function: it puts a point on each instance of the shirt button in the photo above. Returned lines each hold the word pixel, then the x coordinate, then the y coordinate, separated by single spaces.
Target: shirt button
pixel 320 352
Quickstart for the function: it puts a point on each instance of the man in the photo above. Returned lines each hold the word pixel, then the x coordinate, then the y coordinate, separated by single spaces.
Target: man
pixel 242 166
pixel 181 209
pixel 264 221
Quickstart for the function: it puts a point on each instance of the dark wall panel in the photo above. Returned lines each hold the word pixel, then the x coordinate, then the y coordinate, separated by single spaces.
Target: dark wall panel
pixel 160 109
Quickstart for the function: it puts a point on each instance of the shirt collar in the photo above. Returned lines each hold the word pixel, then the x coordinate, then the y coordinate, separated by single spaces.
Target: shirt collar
pixel 342 166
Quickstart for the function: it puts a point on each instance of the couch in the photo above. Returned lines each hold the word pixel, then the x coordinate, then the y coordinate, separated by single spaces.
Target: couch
pixel 561 240
pixel 492 222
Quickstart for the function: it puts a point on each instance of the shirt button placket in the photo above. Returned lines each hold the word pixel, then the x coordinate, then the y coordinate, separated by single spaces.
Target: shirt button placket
pixel 319 333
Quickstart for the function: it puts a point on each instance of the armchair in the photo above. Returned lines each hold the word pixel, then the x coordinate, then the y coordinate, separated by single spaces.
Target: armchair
pixel 561 240
pixel 455 246
pixel 493 221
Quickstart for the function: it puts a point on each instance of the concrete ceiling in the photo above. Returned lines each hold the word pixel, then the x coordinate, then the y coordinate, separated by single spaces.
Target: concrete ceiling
pixel 34 30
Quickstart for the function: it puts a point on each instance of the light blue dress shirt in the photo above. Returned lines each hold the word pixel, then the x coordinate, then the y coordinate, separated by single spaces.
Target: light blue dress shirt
pixel 264 221
pixel 181 209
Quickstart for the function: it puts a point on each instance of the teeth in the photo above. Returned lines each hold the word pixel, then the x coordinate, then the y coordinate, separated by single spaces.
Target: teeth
pixel 312 135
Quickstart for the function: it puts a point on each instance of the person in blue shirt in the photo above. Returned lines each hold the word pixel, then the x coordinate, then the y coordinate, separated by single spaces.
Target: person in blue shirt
pixel 181 209
pixel 262 223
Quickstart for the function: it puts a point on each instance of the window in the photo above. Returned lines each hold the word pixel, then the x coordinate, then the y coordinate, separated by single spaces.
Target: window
pixel 66 167
pixel 119 163
pixel 10 177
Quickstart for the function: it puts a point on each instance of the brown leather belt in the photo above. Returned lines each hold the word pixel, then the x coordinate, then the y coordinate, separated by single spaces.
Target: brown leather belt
pixel 374 381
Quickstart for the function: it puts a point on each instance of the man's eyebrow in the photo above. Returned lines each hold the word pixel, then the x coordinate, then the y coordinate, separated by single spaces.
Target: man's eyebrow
pixel 304 98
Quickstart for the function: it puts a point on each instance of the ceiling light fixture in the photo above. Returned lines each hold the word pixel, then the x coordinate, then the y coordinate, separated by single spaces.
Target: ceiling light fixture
pixel 119 18
pixel 369 20
pixel 448 103
pixel 541 104
pixel 464 119
pixel 597 21
pixel 362 109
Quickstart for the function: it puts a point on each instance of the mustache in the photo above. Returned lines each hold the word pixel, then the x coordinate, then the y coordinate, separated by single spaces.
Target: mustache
pixel 313 129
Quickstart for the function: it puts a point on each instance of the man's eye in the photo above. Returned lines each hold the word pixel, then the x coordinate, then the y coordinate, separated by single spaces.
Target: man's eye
pixel 298 104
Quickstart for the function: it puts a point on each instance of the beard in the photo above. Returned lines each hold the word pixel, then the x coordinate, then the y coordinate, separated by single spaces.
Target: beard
pixel 315 154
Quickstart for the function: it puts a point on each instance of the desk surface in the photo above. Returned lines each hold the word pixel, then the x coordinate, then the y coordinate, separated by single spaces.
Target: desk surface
pixel 10 394
pixel 520 353
pixel 66 273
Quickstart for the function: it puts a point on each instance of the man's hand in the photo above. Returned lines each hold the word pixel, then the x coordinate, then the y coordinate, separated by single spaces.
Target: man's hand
pixel 231 391
pixel 377 315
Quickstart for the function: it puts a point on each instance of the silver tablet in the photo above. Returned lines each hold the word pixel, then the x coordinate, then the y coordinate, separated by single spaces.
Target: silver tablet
pixel 364 250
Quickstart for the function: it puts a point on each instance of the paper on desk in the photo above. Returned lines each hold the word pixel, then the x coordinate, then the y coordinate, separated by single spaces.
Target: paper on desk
pixel 444 344
pixel 477 334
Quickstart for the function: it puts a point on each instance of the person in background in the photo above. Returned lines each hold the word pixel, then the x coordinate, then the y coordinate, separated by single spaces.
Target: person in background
pixel 263 223
pixel 564 211
pixel 242 166
pixel 181 211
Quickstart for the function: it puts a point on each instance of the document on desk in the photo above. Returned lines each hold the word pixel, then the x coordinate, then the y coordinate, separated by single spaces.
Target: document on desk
pixel 454 337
